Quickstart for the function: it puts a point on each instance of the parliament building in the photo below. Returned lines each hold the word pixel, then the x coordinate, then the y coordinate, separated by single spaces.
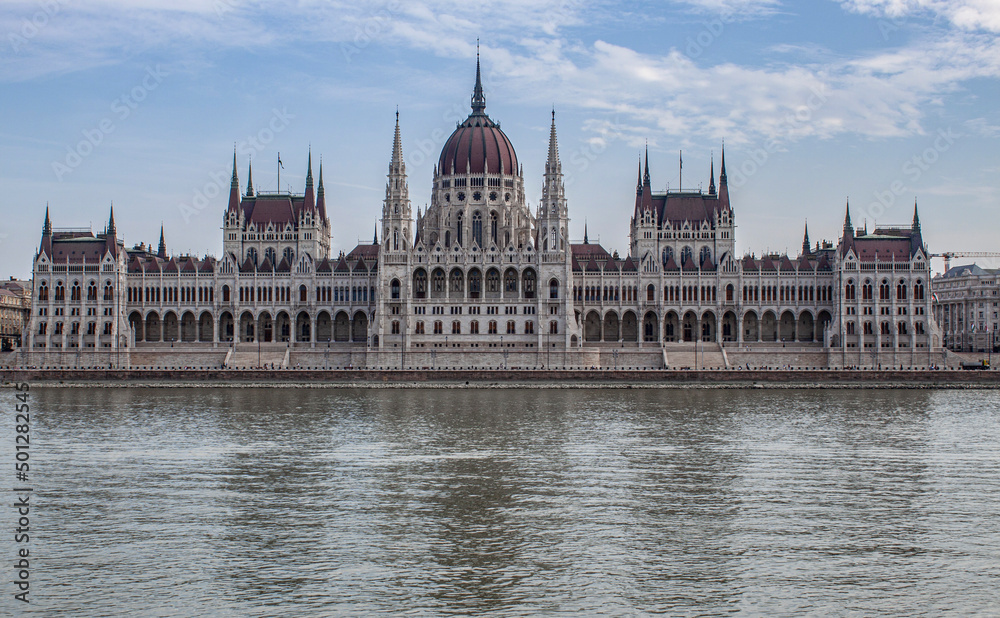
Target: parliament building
pixel 481 280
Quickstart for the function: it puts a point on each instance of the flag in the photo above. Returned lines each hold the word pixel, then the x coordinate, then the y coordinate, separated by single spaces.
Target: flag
pixel 279 161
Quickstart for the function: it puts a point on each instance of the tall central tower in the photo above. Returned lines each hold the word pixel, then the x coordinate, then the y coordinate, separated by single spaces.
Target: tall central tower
pixel 478 195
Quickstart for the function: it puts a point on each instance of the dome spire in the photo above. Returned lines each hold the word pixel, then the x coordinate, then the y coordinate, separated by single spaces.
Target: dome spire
pixel 478 98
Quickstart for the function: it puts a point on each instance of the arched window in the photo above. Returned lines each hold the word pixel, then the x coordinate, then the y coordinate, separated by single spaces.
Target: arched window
pixel 437 282
pixel 289 254
pixel 883 290
pixel 109 291
pixel 705 256
pixel 43 291
pixel 650 293
pixel 252 256
pixel 92 291
pixel 493 227
pixel 477 228
pixel 270 254
pixel 303 293
pixel 901 291
pixel 394 289
pixel 686 254
pixel 918 290
pixel 510 281
pixel 668 253
pixel 867 291
pixel 458 231
pixel 528 283
pixel 420 283
pixel 74 294
pixel 554 289
pixel 225 293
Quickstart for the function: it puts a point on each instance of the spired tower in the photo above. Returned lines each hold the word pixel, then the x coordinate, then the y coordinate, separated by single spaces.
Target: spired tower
pixel 553 213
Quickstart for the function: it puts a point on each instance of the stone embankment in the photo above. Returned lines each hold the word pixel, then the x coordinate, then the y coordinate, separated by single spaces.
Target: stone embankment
pixel 499 378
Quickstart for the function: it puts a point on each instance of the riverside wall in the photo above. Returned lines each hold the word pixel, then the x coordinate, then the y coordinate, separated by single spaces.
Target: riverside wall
pixel 451 378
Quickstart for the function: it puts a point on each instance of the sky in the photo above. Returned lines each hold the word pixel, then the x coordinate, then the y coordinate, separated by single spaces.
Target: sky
pixel 140 103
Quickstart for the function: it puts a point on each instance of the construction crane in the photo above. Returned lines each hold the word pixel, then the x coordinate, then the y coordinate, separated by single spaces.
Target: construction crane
pixel 947 255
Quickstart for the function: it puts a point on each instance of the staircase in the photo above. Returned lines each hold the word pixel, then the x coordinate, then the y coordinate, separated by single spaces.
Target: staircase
pixel 248 356
pixel 691 355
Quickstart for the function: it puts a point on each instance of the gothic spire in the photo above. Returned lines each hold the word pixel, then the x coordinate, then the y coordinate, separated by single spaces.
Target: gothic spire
pixel 234 189
pixel 711 178
pixel 916 217
pixel 848 228
pixel 309 170
pixel 161 251
pixel 375 239
pixel 236 182
pixel 397 164
pixel 638 182
pixel 722 173
pixel 586 239
pixel 645 176
pixel 553 160
pixel 250 178
pixel 47 226
pixel 111 231
pixel 478 98
pixel 805 240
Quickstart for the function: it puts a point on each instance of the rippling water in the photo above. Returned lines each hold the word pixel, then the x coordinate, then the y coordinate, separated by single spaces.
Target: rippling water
pixel 328 502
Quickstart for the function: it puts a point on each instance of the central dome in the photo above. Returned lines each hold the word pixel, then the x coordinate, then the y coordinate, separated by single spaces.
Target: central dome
pixel 478 145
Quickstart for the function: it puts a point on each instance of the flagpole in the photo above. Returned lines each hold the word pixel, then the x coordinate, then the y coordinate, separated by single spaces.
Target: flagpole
pixel 680 174
pixel 279 172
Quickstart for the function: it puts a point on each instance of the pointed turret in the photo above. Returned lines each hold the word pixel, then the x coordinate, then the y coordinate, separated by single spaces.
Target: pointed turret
pixel 234 189
pixel 723 180
pixel 805 240
pixel 638 181
pixel 848 228
pixel 310 197
pixel 111 234
pixel 478 98
pixel 250 178
pixel 375 238
pixel 161 251
pixel 586 239
pixel 46 245
pixel 645 175
pixel 916 219
pixel 321 194
pixel 711 178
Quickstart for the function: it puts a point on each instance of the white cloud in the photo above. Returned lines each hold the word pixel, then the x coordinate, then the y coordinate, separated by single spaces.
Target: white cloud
pixel 965 14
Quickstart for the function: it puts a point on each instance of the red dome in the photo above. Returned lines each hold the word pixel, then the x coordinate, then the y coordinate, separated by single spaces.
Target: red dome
pixel 478 144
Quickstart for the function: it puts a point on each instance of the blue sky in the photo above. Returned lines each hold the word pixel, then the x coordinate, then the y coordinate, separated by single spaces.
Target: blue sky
pixel 139 102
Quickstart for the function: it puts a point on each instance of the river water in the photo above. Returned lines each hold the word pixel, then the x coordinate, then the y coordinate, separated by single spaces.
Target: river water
pixel 293 502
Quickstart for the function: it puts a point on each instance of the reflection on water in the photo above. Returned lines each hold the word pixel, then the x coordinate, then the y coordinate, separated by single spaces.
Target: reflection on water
pixel 323 502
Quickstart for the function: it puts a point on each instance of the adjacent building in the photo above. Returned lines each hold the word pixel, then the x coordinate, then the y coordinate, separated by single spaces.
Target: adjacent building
pixel 966 302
